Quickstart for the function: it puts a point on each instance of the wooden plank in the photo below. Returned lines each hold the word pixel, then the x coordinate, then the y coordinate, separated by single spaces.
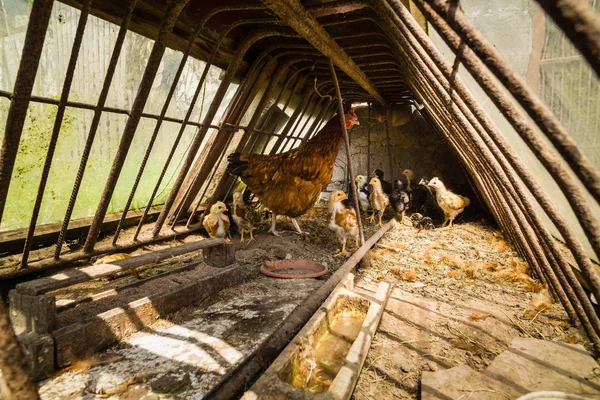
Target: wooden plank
pixel 47 234
pixel 68 278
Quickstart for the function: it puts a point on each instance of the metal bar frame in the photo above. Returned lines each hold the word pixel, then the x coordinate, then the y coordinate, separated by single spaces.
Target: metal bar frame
pixel 579 299
pixel 60 112
pixel 23 87
pixel 94 126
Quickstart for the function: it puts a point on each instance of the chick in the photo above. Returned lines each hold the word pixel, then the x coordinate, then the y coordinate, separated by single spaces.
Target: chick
pixel 243 215
pixel 363 193
pixel 399 199
pixel 423 199
pixel 379 200
pixel 421 222
pixel 450 203
pixel 385 185
pixel 216 222
pixel 342 220
pixel 409 177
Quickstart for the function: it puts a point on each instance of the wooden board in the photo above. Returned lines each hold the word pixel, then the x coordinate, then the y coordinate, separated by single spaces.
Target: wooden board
pixel 71 277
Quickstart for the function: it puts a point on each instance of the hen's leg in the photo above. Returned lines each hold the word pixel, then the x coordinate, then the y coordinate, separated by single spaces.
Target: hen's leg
pixel 251 236
pixel 372 217
pixel 380 215
pixel 297 227
pixel 451 224
pixel 343 251
pixel 242 238
pixel 273 221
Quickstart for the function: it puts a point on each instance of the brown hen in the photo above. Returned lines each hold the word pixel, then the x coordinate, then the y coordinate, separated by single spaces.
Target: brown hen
pixel 290 183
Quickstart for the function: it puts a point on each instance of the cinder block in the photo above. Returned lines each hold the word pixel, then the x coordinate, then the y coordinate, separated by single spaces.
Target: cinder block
pixel 35 314
pixel 219 256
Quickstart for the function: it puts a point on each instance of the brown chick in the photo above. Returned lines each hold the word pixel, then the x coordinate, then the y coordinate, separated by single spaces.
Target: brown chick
pixel 243 215
pixel 450 203
pixel 216 222
pixel 342 220
pixel 379 200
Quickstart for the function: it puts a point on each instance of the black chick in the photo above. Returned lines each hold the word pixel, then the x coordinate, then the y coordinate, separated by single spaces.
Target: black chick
pixel 399 199
pixel 349 202
pixel 423 200
pixel 385 185
pixel 421 222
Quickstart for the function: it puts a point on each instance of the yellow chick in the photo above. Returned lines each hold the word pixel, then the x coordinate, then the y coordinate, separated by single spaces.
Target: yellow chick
pixel 242 215
pixel 379 200
pixel 450 203
pixel 216 223
pixel 342 220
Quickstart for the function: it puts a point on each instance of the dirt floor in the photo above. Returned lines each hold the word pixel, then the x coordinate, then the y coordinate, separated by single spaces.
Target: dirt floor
pixel 459 296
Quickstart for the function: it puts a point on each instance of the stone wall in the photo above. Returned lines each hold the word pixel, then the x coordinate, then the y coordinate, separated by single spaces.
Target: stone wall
pixel 414 145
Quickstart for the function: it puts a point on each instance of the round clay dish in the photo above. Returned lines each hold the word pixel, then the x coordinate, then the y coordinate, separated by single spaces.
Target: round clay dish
pixel 315 269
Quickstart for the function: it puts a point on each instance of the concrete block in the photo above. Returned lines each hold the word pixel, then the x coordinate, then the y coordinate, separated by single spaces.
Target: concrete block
pixel 39 352
pixel 219 256
pixel 79 340
pixel 35 314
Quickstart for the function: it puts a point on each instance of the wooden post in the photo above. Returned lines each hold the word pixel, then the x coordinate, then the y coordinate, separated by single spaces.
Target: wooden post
pixel 347 144
pixel 17 379
pixel 369 142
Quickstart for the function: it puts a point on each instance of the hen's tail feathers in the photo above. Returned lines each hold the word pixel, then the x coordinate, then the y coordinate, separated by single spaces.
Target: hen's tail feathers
pixel 466 200
pixel 236 166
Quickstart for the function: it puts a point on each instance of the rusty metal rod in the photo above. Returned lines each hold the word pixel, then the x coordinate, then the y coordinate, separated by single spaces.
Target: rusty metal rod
pixel 547 122
pixel 479 168
pixel 569 302
pixel 591 333
pixel 157 127
pixel 531 182
pixel 115 110
pixel 340 106
pixel 293 118
pixel 158 49
pixel 267 94
pixel 220 191
pixel 231 70
pixel 532 241
pixel 233 115
pixel 16 376
pixel 329 112
pixel 532 213
pixel 17 112
pixel 388 141
pixel 110 71
pixel 536 109
pixel 580 23
pixel 60 112
pixel 290 132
